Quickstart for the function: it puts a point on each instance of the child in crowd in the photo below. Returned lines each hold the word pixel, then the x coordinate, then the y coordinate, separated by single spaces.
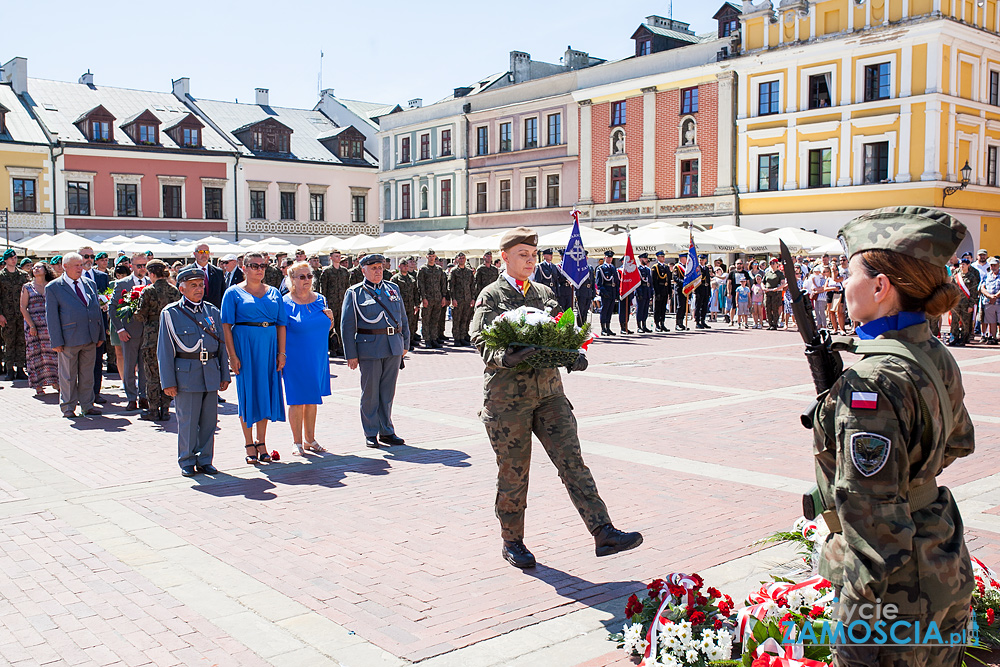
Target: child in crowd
pixel 743 304
pixel 757 301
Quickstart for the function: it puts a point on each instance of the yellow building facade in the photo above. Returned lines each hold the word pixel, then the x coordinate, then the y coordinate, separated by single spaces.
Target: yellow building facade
pixel 847 105
pixel 25 165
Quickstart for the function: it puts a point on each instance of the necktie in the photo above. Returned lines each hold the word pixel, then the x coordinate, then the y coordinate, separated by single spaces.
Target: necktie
pixel 79 292
pixel 205 270
pixel 523 285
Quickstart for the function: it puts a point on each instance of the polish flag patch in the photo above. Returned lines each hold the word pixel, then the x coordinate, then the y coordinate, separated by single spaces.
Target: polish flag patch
pixel 864 400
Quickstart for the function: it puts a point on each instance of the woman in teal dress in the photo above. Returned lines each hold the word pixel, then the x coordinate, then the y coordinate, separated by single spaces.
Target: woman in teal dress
pixel 254 319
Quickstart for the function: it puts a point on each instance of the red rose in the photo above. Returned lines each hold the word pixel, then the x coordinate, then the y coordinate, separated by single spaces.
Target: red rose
pixel 980 586
pixel 677 591
pixel 697 618
pixel 121 300
pixel 717 624
pixel 714 593
pixel 762 661
pixel 655 587
pixel 816 611
pixel 633 606
pixel 990 616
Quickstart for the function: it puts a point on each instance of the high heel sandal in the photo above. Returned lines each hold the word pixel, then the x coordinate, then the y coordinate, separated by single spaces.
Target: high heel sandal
pixel 263 456
pixel 252 460
pixel 297 449
pixel 314 446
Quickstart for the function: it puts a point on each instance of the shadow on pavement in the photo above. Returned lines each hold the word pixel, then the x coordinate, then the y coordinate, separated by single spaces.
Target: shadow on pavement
pixel 108 424
pixel 326 470
pixel 600 595
pixel 452 458
pixel 225 486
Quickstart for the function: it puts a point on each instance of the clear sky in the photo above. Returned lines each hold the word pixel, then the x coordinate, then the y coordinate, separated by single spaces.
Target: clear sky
pixel 385 51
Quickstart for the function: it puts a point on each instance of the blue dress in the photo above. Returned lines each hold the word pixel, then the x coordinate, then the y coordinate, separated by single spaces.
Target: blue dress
pixel 258 385
pixel 307 339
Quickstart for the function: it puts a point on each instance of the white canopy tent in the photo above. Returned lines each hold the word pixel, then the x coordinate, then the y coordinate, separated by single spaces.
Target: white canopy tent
pixel 34 242
pixel 323 246
pixel 60 244
pixel 807 241
pixel 831 248
pixel 594 240
pixel 272 245
pixel 671 238
pixel 748 240
pixel 417 245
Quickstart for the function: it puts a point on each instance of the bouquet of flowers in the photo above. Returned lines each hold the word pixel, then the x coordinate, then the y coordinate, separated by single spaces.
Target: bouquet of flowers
pixel 559 339
pixel 128 303
pixel 764 622
pixel 986 605
pixel 679 622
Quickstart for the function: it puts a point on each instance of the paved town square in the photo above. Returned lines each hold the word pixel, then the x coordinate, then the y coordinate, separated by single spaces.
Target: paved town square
pixel 392 556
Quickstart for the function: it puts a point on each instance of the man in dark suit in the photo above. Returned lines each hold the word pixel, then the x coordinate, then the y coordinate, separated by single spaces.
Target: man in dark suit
pixel 130 333
pixel 214 276
pixel 101 281
pixel 232 274
pixel 73 316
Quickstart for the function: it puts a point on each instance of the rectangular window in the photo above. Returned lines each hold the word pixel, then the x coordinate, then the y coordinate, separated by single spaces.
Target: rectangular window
pixel 820 163
pixel 78 198
pixel 729 27
pixel 645 47
pixel 505 194
pixel 552 190
pixel 425 147
pixel 819 90
pixel 317 207
pixel 404 201
pixel 531 192
pixel 555 129
pixel 877 82
pixel 767 172
pixel 24 195
pixel 213 203
pixel 172 201
pixel 127 200
pixel 482 140
pixel 689 100
pixel 991 166
pixel 480 197
pixel 147 134
pixel 357 208
pixel 100 130
pixel 445 142
pixel 618 184
pixel 191 137
pixel 876 162
pixel 446 197
pixel 618 113
pixel 506 143
pixel 404 150
pixel 287 205
pixel 531 133
pixel 768 99
pixel 689 178
pixel 3 122
pixel 258 207
pixel 995 88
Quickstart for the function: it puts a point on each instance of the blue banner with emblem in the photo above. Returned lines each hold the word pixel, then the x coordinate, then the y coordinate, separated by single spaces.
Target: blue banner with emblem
pixel 574 260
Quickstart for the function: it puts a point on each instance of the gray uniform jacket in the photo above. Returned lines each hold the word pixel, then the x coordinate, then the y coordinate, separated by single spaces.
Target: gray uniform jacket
pixel 362 311
pixel 70 323
pixel 191 374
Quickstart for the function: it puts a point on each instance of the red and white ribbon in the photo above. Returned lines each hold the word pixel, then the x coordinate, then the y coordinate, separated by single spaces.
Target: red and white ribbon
pixel 767 596
pixel 674 579
pixel 789 656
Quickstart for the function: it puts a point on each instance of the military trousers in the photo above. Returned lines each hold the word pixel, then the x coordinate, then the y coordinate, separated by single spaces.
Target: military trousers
pixel 772 307
pixel 961 322
pixel 197 416
pixel 378 389
pixel 701 299
pixel 608 301
pixel 642 306
pixel 13 342
pixel 509 425
pixel 682 307
pixel 659 306
pixel 461 317
pixel 154 392
pixel 413 319
pixel 336 341
pixel 624 312
pixel 432 322
pixel 564 296
pixel 582 310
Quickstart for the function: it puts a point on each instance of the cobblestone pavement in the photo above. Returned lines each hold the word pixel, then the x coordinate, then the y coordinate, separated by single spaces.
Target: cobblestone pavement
pixel 384 557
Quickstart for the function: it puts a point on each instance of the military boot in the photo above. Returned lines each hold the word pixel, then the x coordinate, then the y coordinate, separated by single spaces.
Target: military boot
pixel 517 554
pixel 20 375
pixel 609 540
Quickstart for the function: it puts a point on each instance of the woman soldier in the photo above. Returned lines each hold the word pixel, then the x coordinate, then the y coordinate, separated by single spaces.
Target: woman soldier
pixel 888 426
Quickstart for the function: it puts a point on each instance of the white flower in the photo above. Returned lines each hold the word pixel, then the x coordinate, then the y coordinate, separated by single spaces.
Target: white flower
pixel 692 655
pixel 633 637
pixel 530 316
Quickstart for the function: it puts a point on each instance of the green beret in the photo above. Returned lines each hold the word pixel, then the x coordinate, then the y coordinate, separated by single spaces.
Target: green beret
pixel 56 260
pixel 517 236
pixel 101 255
pixel 916 231
pixel 26 260
pixel 121 260
pixel 9 252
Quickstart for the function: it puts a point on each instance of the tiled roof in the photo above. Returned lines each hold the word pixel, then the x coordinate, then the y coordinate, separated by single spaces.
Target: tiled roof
pixel 60 104
pixel 20 125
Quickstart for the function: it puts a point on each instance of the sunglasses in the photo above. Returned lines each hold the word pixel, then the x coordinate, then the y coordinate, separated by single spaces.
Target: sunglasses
pixel 305 276
pixel 201 252
pixel 256 266
pixel 139 266
pixel 87 256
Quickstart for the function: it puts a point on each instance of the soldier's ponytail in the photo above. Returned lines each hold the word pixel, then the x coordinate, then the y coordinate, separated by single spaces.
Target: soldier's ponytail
pixel 921 285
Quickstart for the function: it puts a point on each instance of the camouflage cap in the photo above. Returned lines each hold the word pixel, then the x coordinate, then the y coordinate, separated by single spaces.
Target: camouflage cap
pixel 916 231
pixel 517 236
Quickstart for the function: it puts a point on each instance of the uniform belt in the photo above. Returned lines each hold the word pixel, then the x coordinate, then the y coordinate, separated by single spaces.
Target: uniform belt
pixel 919 498
pixel 255 324
pixel 203 356
pixel 390 331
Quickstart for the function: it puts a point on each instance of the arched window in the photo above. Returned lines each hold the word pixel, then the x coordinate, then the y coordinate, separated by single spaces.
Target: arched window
pixel 387 206
pixel 618 142
pixel 423 198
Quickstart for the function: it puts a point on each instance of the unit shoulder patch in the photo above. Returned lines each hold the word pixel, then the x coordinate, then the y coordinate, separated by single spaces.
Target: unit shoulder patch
pixel 869 452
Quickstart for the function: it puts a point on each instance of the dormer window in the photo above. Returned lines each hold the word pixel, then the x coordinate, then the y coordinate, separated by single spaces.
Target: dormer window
pixel 644 47
pixel 97 125
pixel 728 17
pixel 143 128
pixel 3 119
pixel 186 132
pixel 191 137
pixel 268 136
pixel 147 134
pixel 351 149
pixel 100 130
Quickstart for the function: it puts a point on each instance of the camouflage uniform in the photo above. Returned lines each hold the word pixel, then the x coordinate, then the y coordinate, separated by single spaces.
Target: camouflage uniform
pixel 10 307
pixel 519 403
pixel 356 276
pixel 485 275
pixel 460 287
pixel 333 284
pixel 433 285
pixel 152 300
pixel 961 314
pixel 273 276
pixel 411 300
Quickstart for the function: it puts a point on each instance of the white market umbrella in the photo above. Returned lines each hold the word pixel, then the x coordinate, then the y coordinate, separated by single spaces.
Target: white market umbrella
pixel 805 240
pixel 415 246
pixel 831 248
pixel 34 242
pixel 273 245
pixel 212 240
pixel 671 238
pixel 323 246
pixel 62 243
pixel 357 243
pixel 246 243
pixel 748 240
pixel 593 240
pixel 388 241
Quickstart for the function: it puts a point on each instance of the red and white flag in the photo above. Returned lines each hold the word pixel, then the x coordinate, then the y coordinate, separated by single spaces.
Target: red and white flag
pixel 962 286
pixel 629 273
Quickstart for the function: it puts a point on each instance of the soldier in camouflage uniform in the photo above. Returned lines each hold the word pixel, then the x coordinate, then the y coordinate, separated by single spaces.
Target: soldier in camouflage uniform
pixel 461 285
pixel 11 319
pixel 272 274
pixel 433 284
pixel 356 275
pixel 410 293
pixel 884 432
pixel 333 284
pixel 151 301
pixel 486 274
pixel 961 314
pixel 518 403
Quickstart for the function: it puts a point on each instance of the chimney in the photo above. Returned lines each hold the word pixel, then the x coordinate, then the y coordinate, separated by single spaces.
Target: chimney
pixel 182 87
pixel 326 92
pixel 87 78
pixel 670 24
pixel 15 72
pixel 262 97
pixel 520 66
pixel 415 103
pixel 573 59
pixel 462 91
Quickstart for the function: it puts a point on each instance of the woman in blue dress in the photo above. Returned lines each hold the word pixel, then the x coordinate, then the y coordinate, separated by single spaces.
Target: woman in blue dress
pixel 307 371
pixel 254 319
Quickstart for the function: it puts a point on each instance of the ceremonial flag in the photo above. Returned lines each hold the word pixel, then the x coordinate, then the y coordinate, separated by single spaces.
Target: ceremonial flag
pixel 574 262
pixel 630 278
pixel 692 275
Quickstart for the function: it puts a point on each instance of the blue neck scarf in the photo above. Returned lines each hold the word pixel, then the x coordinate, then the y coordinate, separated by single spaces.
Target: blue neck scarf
pixel 900 320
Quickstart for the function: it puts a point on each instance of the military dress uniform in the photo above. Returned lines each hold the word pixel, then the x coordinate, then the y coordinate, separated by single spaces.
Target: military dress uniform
pixel 887 427
pixel 153 299
pixel 607 282
pixel 334 282
pixel 460 287
pixel 14 351
pixel 433 285
pixel 643 294
pixel 703 294
pixel 585 297
pixel 563 288
pixel 486 274
pixel 962 313
pixel 191 358
pixel 662 280
pixel 411 301
pixel 546 273
pixel 680 300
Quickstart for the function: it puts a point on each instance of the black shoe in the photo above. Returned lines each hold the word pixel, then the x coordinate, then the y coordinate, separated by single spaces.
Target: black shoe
pixel 699 325
pixel 164 415
pixel 221 400
pixel 150 415
pixel 93 412
pixel 188 471
pixel 208 469
pixel 609 540
pixel 681 327
pixel 100 400
pixel 705 326
pixel 610 332
pixel 392 439
pixel 10 375
pixel 517 554
pixel 371 442
pixel 665 330
pixel 20 374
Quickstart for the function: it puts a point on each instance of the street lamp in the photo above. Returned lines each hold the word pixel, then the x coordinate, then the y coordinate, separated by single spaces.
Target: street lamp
pixel 952 189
